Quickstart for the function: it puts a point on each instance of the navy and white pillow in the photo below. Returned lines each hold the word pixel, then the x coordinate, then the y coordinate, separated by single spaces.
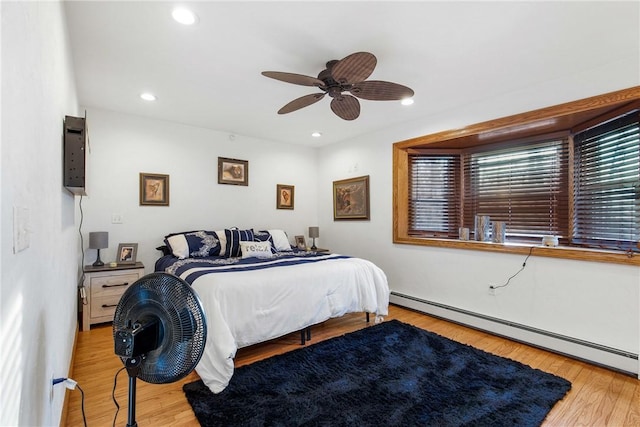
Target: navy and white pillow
pixel 223 241
pixel 256 249
pixel 193 244
pixel 280 240
pixel 264 236
pixel 234 237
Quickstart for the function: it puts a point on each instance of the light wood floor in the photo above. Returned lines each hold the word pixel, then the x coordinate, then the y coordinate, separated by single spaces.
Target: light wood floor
pixel 599 397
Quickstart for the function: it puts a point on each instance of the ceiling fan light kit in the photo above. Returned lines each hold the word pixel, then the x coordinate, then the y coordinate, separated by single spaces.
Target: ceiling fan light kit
pixel 346 75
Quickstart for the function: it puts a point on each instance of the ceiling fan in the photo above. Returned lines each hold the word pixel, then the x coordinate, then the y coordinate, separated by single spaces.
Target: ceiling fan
pixel 346 75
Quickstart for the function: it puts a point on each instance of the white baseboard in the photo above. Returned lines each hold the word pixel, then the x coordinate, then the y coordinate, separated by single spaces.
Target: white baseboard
pixel 597 354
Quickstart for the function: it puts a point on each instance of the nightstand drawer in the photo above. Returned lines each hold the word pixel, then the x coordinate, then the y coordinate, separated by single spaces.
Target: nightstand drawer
pixel 104 286
pixel 104 306
pixel 111 285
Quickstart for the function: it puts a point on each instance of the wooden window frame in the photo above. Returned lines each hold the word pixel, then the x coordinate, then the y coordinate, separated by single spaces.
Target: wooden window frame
pixel 568 117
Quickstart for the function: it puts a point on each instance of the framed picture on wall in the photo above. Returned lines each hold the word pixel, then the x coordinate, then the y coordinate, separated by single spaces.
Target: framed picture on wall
pixel 233 171
pixel 154 189
pixel 127 253
pixel 351 198
pixel 284 196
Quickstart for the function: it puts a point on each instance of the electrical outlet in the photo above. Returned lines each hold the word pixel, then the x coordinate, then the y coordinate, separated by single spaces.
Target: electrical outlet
pixel 51 392
pixel 492 289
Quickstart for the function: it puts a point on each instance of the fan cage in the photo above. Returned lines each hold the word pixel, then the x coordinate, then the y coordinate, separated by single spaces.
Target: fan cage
pixel 183 325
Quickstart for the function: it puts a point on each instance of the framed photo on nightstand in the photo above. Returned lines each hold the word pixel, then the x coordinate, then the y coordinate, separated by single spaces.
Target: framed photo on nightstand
pixel 127 253
pixel 300 243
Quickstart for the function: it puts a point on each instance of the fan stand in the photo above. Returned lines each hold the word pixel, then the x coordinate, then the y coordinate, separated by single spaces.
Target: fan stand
pixel 133 367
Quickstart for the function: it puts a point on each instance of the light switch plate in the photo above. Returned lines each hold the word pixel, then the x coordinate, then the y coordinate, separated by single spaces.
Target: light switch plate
pixel 20 228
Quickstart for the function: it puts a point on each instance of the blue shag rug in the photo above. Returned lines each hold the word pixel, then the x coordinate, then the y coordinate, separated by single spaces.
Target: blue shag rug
pixel 390 374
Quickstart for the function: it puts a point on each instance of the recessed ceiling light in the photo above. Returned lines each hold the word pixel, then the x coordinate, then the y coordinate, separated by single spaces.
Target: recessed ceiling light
pixel 407 101
pixel 184 16
pixel 148 96
pixel 316 134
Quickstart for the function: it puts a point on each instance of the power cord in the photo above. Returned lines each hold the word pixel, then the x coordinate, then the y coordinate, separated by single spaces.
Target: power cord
pixel 524 264
pixel 72 385
pixel 83 293
pixel 113 395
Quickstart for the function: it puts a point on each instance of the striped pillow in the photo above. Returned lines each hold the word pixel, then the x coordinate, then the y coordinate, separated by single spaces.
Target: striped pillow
pixel 234 236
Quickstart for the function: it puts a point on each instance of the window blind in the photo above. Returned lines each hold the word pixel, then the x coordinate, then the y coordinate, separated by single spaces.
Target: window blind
pixel 526 186
pixel 606 184
pixel 434 196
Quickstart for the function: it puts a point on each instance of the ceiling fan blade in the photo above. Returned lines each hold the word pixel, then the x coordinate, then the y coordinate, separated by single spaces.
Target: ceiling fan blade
pixel 377 90
pixel 296 79
pixel 354 68
pixel 303 101
pixel 346 107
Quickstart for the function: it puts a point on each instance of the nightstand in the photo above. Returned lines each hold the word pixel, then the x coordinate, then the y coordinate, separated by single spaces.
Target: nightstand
pixel 103 287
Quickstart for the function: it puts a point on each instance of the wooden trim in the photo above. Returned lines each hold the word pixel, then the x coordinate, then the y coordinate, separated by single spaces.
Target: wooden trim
pixel 504 145
pixel 444 151
pixel 578 254
pixel 65 405
pixel 609 100
pixel 596 121
pixel 400 193
pixel 552 119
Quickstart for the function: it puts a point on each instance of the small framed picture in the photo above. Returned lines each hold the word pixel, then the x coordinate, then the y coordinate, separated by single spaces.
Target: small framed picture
pixel 284 196
pixel 154 189
pixel 233 171
pixel 300 243
pixel 351 198
pixel 127 253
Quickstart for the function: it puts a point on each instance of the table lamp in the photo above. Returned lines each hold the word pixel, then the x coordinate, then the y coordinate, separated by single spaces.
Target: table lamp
pixel 98 240
pixel 313 233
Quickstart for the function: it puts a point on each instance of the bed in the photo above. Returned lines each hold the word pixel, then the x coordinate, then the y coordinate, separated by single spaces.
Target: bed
pixel 256 287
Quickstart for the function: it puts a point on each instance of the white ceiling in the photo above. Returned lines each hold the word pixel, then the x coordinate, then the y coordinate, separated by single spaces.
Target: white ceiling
pixel 449 53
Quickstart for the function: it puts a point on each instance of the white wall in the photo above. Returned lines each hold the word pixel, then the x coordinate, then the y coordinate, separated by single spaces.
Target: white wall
pixel 595 302
pixel 38 288
pixel 122 146
pixel 592 301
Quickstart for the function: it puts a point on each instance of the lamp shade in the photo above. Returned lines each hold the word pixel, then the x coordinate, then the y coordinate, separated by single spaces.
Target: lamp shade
pixel 98 240
pixel 314 232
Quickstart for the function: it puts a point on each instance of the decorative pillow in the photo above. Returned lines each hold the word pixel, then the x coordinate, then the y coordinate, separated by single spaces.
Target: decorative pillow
pixel 280 240
pixel 264 236
pixel 164 249
pixel 177 244
pixel 256 249
pixel 234 236
pixel 223 242
pixel 194 244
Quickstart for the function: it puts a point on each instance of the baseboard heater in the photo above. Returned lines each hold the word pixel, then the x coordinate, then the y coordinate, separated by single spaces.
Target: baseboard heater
pixel 612 358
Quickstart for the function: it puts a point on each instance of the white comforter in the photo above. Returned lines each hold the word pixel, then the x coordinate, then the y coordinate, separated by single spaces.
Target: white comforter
pixel 247 307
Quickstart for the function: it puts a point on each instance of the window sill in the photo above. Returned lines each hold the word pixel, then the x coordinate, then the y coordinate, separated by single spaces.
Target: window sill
pixel 580 254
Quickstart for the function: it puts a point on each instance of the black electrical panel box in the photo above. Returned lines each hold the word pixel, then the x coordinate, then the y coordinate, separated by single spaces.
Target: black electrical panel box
pixel 75 139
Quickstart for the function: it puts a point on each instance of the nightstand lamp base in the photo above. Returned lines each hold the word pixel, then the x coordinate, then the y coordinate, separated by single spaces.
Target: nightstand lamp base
pixel 98 262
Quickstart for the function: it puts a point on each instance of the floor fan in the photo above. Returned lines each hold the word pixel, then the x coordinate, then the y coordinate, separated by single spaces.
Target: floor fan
pixel 159 332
